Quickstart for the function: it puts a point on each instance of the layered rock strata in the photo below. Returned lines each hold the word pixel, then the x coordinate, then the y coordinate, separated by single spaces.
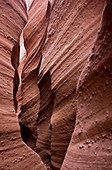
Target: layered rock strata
pixel 51 72
pixel 91 143
pixel 65 85
pixel 34 37
pixel 14 154
pixel 71 34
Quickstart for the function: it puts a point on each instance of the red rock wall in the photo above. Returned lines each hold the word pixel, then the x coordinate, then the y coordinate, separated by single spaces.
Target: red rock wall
pixel 14 154
pixel 34 37
pixel 72 31
pixel 66 84
pixel 91 143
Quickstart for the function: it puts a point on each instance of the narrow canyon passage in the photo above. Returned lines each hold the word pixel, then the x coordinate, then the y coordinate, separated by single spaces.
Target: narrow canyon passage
pixel 55 101
pixel 14 154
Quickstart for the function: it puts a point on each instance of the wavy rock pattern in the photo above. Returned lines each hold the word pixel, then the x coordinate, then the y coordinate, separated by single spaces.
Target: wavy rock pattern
pixel 64 99
pixel 72 31
pixel 34 38
pixel 91 143
pixel 14 154
pixel 49 98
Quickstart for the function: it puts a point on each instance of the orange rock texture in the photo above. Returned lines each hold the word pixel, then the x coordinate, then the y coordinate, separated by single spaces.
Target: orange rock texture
pixel 64 97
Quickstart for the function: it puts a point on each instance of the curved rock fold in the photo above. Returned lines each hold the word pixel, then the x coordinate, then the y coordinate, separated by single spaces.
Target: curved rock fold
pixel 60 92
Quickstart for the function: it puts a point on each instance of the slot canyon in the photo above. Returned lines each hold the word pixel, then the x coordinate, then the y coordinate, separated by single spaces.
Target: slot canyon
pixel 55 84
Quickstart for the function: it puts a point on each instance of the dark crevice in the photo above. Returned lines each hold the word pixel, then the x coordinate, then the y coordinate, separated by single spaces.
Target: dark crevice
pixel 26 133
pixel 15 64
pixel 27 136
pixel 48 12
pixel 46 109
pixel 44 126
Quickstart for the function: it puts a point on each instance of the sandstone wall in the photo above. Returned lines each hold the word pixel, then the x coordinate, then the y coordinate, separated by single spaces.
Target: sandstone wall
pixel 91 143
pixel 14 154
pixel 66 83
pixel 34 38
pixel 71 34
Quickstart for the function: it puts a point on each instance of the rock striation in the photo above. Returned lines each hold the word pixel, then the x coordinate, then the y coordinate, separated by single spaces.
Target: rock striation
pixel 34 37
pixel 72 32
pixel 14 154
pixel 91 143
pixel 62 92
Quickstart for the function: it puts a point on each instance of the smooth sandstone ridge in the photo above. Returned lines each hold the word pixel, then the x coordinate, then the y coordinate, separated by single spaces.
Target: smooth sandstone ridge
pixel 72 32
pixel 91 143
pixel 64 98
pixel 14 154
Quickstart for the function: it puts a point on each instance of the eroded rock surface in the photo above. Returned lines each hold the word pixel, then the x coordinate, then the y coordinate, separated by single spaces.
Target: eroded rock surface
pixel 14 154
pixel 64 97
pixel 72 31
pixel 91 143
pixel 34 37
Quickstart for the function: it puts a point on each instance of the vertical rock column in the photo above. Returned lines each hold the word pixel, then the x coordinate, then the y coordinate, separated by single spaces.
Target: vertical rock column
pixel 14 154
pixel 44 128
pixel 34 38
